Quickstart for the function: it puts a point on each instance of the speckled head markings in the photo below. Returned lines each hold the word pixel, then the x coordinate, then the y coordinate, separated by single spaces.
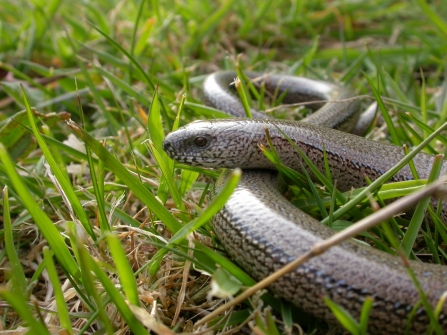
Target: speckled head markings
pixel 262 231
pixel 215 144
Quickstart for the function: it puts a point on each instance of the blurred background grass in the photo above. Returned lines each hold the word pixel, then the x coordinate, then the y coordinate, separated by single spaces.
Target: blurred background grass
pixel 100 62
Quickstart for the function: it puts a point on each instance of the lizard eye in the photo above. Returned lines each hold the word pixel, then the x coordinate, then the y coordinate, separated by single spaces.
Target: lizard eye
pixel 200 141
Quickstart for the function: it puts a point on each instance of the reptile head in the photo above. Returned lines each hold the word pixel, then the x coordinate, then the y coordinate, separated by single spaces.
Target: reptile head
pixel 216 143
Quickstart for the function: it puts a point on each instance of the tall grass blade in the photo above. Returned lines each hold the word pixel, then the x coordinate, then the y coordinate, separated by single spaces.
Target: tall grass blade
pixel 114 294
pixel 70 197
pixel 62 310
pixel 131 181
pixel 127 278
pixel 384 111
pixel 386 176
pixel 45 225
pixel 436 20
pixel 16 271
pixel 419 213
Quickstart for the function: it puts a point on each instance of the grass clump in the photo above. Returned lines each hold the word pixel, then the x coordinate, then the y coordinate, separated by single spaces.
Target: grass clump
pixel 101 232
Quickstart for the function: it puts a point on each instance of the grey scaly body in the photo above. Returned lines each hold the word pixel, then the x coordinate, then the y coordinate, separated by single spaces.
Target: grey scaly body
pixel 263 231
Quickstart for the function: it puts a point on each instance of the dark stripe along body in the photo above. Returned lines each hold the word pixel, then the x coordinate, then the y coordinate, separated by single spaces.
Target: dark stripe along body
pixel 263 231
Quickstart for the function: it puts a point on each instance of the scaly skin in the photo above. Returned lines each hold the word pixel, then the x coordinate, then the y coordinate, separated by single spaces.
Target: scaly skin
pixel 219 92
pixel 263 231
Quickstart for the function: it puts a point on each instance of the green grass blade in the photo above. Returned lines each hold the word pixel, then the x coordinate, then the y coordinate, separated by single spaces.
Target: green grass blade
pixel 176 124
pixel 188 179
pixel 97 180
pixel 134 34
pixel 225 263
pixel 384 111
pixel 207 26
pixel 213 207
pixel 62 310
pixel 128 89
pixel 413 170
pixel 395 88
pixel 386 176
pixel 321 177
pixel 317 197
pixel 224 285
pixel 242 91
pixel 434 324
pixel 209 112
pixel 427 129
pixel 16 268
pixel 240 88
pixel 19 74
pixel 57 155
pixel 436 20
pixel 74 153
pixel 423 103
pixel 307 59
pixel 345 319
pixel 364 316
pixel 132 182
pixel 155 125
pixel 86 289
pixel 115 296
pixel 326 166
pixel 112 124
pixel 145 33
pixel 216 204
pixel 330 218
pixel 287 316
pixel 21 307
pixel 353 68
pixel 128 55
pixel 98 186
pixel 167 166
pixel 419 214
pixel 125 272
pixel 67 190
pixel 261 12
pixel 45 225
